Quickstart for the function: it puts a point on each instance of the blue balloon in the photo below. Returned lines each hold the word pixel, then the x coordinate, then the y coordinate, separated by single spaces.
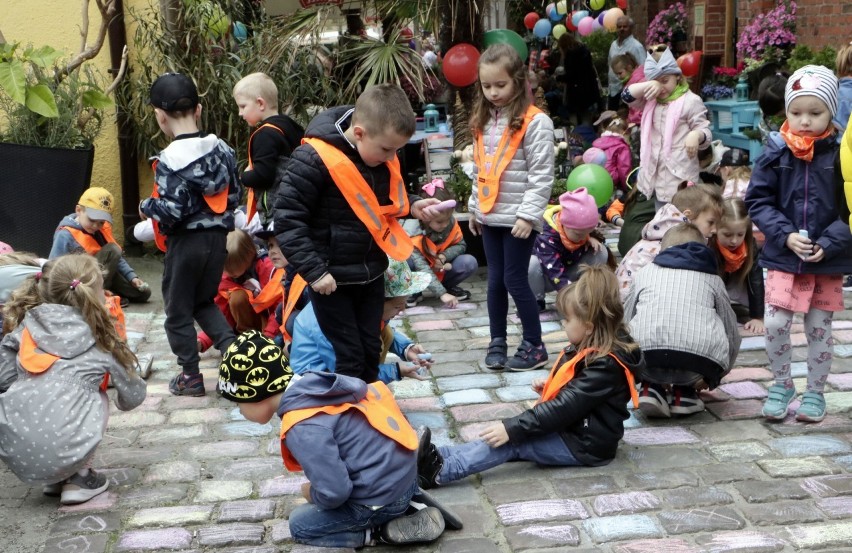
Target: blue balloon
pixel 578 15
pixel 600 17
pixel 240 32
pixel 555 15
pixel 542 28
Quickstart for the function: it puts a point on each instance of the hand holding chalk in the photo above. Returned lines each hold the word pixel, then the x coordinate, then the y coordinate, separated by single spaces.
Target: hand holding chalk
pixel 443 206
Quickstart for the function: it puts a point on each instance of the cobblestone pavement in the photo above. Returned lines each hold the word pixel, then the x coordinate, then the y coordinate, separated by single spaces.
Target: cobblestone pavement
pixel 189 474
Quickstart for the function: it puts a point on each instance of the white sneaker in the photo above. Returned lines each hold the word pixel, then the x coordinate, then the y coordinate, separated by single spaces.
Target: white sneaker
pixel 653 402
pixel 79 488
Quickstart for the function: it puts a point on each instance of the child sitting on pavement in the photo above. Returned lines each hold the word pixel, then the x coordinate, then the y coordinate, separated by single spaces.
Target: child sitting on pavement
pixel 679 312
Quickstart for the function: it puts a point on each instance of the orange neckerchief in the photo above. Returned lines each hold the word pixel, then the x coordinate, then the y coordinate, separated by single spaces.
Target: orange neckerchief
pixel 802 146
pixel 570 245
pixel 735 258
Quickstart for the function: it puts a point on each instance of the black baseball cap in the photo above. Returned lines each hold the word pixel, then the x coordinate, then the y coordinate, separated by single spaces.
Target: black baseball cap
pixel 734 157
pixel 174 92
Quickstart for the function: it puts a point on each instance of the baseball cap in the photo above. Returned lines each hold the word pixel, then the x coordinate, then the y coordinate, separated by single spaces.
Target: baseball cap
pixel 98 204
pixel 174 92
pixel 605 117
pixel 253 369
pixel 266 232
pixel 734 157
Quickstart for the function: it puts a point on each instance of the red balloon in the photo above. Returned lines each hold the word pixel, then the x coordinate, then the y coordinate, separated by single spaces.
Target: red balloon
pixel 406 33
pixel 621 4
pixel 530 19
pixel 690 63
pixel 460 65
pixel 569 23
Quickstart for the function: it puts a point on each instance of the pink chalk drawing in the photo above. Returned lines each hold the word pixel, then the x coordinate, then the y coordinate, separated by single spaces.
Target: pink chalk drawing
pixel 513 513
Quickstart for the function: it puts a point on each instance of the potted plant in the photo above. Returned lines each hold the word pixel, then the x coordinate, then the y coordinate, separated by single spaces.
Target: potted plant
pixel 52 108
pixel 668 26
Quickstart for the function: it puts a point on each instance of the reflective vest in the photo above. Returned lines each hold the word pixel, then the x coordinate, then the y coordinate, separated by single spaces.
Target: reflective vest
pixel 846 165
pixel 270 294
pixel 252 199
pixel 378 406
pixel 296 289
pixel 36 362
pixel 116 313
pixel 88 242
pixel 379 220
pixel 217 202
pixel 557 379
pixel 491 167
pixel 430 250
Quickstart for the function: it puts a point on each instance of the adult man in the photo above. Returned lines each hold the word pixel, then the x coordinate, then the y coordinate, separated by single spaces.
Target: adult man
pixel 625 43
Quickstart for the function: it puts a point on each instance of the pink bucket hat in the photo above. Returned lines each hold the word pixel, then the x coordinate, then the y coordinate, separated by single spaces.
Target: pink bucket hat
pixel 579 210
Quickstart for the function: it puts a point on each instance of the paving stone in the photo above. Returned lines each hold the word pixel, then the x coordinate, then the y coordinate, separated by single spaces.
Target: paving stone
pixel 78 544
pixel 410 387
pixel 165 538
pixel 524 378
pixel 154 495
pixel 802 446
pixel 162 516
pixel 471 432
pixel 739 451
pixel 468 381
pixel 739 409
pixel 681 498
pixel 660 480
pixel 253 549
pixel 132 456
pixel 672 545
pixel 469 322
pixel 841 382
pixel 507 492
pixel 532 511
pixel 667 457
pixel 223 449
pixel 222 490
pixel 836 507
pixel 659 436
pixel 462 397
pixel 626 527
pixel 134 419
pixel 516 393
pixel 762 491
pixel 468 545
pixel 252 468
pixel 625 503
pixel 730 472
pixel 838 402
pixel 173 433
pixel 744 390
pixel 102 502
pixel 247 511
pixel 246 428
pixel 754 374
pixel 584 486
pixel 86 522
pixel 487 412
pixel 791 468
pixel 420 404
pixel 121 476
pixel 704 519
pixel 772 514
pixel 281 531
pixel 829 486
pixel 844 461
pixel 542 535
pixel 231 534
pixel 197 416
pixel 818 536
pixel 441 324
pixel 174 471
pixel 283 485
pixel 831 423
pixel 743 541
pixel 120 438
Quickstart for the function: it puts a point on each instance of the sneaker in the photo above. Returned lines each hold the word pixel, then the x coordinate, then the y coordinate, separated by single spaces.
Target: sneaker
pixel 847 283
pixel 685 401
pixel 424 526
pixel 123 302
pixel 775 406
pixel 460 293
pixel 79 489
pixel 528 357
pixel 429 460
pixel 495 357
pixel 187 385
pixel 414 299
pixel 143 365
pixel 542 306
pixel 653 402
pixel 812 408
pixel 53 490
pixel 422 499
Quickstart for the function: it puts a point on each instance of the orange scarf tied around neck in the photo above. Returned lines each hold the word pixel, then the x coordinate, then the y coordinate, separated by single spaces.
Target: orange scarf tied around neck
pixel 569 244
pixel 735 258
pixel 802 146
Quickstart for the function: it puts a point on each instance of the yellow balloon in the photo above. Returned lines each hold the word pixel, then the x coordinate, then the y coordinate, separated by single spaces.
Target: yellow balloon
pixel 562 7
pixel 611 18
pixel 559 30
pixel 596 4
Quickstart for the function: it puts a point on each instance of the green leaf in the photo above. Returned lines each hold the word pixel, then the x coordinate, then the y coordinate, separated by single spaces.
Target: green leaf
pixel 44 57
pixel 96 99
pixel 40 100
pixel 13 80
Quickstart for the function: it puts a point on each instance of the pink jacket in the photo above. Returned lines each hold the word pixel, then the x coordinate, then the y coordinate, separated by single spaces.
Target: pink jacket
pixel 634 115
pixel 618 159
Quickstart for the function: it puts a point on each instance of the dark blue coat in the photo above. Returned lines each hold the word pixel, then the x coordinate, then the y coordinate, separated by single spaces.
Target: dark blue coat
pixel 786 195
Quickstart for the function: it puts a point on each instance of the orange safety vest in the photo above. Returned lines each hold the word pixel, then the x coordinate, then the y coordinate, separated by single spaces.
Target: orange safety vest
pixel 557 379
pixel 296 289
pixel 378 406
pixel 270 294
pixel 116 313
pixel 35 362
pixel 217 202
pixel 379 220
pixel 430 250
pixel 491 167
pixel 88 242
pixel 251 201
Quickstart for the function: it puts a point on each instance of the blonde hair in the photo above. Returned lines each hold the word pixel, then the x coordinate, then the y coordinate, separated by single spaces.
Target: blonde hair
pixel 19 258
pixel 740 172
pixel 624 60
pixel 698 198
pixel 508 59
pixel 681 234
pixel 241 252
pixel 735 211
pixel 594 298
pixel 382 108
pixel 843 61
pixel 71 280
pixel 258 85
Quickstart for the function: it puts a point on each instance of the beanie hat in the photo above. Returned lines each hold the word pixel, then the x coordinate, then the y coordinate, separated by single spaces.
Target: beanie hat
pixel 665 66
pixel 579 210
pixel 812 80
pixel 253 369
pixel 98 204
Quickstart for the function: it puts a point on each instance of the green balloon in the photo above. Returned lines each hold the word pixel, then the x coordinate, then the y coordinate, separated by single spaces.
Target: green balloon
pixel 506 36
pixel 595 179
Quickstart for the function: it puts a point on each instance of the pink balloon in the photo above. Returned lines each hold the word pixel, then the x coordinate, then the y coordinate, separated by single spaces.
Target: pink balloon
pixel 596 25
pixel 586 26
pixel 595 156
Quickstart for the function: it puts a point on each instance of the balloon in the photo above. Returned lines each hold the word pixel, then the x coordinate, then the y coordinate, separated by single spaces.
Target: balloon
pixel 505 36
pixel 460 65
pixel 549 9
pixel 562 7
pixel 595 156
pixel 214 20
pixel 690 63
pixel 542 28
pixel 621 4
pixel 585 26
pixel 559 30
pixel 569 22
pixel 554 14
pixel 596 26
pixel 600 17
pixel 240 32
pixel 611 18
pixel 597 4
pixel 530 20
pixel 595 179
pixel 577 16
pixel 406 33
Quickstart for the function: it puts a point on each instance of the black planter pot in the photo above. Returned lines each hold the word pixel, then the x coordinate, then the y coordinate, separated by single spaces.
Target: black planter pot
pixel 39 186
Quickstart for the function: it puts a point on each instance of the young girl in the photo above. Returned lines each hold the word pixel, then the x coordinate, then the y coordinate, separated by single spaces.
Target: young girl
pixel 770 99
pixel 735 172
pixel 674 126
pixel 737 251
pixel 578 420
pixel 613 142
pixel 513 150
pixel 808 245
pixel 63 351
pixel 630 72
pixel 843 68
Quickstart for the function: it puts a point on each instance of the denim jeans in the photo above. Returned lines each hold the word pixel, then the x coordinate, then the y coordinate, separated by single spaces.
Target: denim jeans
pixel 344 526
pixel 463 266
pixel 477 456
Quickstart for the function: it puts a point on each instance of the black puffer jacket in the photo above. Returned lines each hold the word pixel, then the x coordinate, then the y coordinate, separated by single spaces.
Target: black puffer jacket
pixel 316 229
pixel 588 413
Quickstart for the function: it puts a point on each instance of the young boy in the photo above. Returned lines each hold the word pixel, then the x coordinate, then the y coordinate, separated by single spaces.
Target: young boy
pixel 357 451
pixel 89 229
pixel 679 312
pixel 335 216
pixel 193 209
pixel 276 135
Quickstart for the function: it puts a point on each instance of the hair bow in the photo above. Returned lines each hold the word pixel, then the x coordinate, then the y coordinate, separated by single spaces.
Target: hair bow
pixel 430 187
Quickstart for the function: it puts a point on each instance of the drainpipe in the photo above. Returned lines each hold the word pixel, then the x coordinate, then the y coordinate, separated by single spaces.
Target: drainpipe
pixel 127 155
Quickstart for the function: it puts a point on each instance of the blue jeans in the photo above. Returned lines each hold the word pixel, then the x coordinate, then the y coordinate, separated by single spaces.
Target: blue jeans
pixel 463 266
pixel 477 456
pixel 344 526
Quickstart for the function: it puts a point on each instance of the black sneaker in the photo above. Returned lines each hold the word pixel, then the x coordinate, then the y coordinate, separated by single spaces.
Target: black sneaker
pixel 460 293
pixel 424 526
pixel 685 401
pixel 528 357
pixel 187 385
pixel 429 460
pixel 414 299
pixel 422 499
pixel 495 357
pixel 542 306
pixel 79 489
pixel 653 401
pixel 847 283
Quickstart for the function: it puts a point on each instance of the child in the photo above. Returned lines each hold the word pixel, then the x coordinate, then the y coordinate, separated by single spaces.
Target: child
pixel 312 351
pixel 843 69
pixel 737 255
pixel 808 245
pixel 193 208
pixel 89 229
pixel 614 144
pixel 293 290
pixel 674 126
pixel 513 142
pixel 276 135
pixel 770 99
pixel 699 204
pixel 361 468
pixel 736 173
pixel 679 311
pixel 578 419
pixel 439 250
pixel 64 350
pixel 629 72
pixel 15 268
pixel 336 218
pixel 568 241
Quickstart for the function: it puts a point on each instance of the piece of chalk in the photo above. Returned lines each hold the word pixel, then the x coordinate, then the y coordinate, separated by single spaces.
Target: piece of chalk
pixel 443 206
pixel 424 356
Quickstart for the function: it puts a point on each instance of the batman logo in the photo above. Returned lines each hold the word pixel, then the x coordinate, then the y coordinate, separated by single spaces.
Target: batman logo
pixel 257 376
pixel 240 362
pixel 224 373
pixel 250 348
pixel 279 383
pixel 245 392
pixel 269 353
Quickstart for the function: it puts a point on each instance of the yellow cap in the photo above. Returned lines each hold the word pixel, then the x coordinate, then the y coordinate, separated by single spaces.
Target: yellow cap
pixel 98 204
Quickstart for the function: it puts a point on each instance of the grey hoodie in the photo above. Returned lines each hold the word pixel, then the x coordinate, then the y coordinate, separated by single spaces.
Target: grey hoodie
pixel 51 423
pixel 344 457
